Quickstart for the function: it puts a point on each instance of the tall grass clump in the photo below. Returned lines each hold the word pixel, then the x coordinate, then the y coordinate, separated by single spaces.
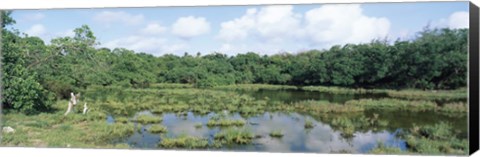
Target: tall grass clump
pixel 184 141
pixel 225 123
pixel 349 125
pixel 157 129
pixel 382 149
pixel 276 134
pixel 393 104
pixel 146 119
pixel 198 125
pixel 308 124
pixel 234 136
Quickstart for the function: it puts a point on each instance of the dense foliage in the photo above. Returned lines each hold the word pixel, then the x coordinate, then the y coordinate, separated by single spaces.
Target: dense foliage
pixel 21 88
pixel 33 71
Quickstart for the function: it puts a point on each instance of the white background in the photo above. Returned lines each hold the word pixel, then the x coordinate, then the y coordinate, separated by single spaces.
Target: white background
pixel 49 4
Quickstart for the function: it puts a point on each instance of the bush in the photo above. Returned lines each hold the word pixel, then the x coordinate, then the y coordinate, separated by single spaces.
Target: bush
pixel 26 95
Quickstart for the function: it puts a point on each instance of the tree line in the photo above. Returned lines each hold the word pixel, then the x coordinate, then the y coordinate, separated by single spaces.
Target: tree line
pixel 35 73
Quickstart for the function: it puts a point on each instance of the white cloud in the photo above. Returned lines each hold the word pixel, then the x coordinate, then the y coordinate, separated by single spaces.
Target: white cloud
pixel 110 17
pixel 237 29
pixel 153 29
pixel 339 24
pixel 188 27
pixel 37 30
pixel 278 22
pixel 320 27
pixel 152 45
pixel 273 23
pixel 458 20
pixel 137 43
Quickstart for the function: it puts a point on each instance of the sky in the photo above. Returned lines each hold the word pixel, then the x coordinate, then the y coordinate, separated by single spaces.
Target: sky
pixel 266 29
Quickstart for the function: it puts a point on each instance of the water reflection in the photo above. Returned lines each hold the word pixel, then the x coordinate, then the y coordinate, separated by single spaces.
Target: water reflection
pixel 289 96
pixel 321 139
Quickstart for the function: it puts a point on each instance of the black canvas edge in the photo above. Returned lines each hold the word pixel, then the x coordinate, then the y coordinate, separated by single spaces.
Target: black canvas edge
pixel 473 80
pixel 1 78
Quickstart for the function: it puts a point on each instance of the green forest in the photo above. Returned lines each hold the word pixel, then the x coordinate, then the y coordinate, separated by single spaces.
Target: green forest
pixel 35 73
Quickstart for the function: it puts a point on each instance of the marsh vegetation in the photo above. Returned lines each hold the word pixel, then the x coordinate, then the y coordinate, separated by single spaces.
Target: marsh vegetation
pixel 170 118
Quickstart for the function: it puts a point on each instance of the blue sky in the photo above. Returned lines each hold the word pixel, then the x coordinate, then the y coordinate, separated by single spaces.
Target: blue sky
pixel 240 29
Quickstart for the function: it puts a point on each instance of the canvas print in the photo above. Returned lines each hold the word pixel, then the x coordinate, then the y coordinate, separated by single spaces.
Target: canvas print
pixel 370 78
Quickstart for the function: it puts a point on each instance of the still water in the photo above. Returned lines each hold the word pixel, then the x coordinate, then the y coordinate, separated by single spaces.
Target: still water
pixel 291 96
pixel 322 138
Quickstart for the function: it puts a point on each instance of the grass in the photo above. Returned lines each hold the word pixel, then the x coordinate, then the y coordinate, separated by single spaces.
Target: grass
pixel 454 107
pixel 308 124
pixel 348 125
pixel 256 87
pixel 203 101
pixel 345 125
pixel 382 149
pixel 184 141
pixel 411 94
pixel 198 125
pixel 393 104
pixel 147 119
pixel 225 123
pixel 458 94
pixel 340 90
pixel 170 108
pixel 157 129
pixel 51 130
pixel 121 120
pixel 435 139
pixel 276 134
pixel 170 85
pixel 234 136
pixel 318 107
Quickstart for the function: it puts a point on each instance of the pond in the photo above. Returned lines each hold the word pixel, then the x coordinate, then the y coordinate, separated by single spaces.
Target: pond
pixel 322 138
pixel 292 96
pixel 327 136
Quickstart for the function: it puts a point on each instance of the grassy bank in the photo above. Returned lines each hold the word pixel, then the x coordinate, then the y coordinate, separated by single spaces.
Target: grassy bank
pixel 256 87
pixel 55 130
pixel 410 94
